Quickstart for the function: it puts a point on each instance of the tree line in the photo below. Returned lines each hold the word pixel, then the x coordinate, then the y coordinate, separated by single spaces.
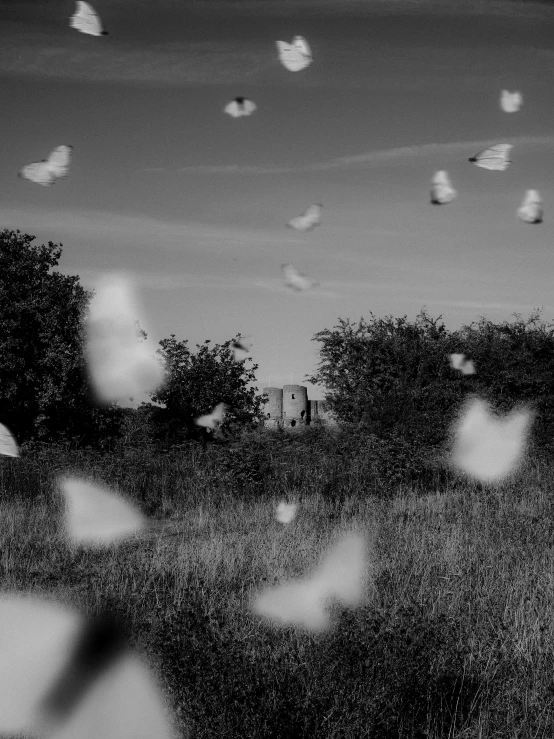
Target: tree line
pixel 389 378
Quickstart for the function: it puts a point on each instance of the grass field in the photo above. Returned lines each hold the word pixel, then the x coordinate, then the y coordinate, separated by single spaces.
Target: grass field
pixel 456 636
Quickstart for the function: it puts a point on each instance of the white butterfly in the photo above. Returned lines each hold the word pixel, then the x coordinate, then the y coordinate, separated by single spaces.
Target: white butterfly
pixel 96 515
pixel 285 512
pixel 62 677
pixel 459 362
pixel 510 102
pixel 295 56
pixel 87 20
pixel 295 279
pixel 120 362
pixel 46 172
pixel 497 157
pixel 441 188
pixel 8 445
pixel 341 575
pixel 308 220
pixel 531 210
pixel 488 448
pixel 239 107
pixel 212 419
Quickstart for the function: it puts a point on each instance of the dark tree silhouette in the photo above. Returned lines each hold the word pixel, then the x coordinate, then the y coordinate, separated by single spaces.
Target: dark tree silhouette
pixel 43 387
pixel 196 383
pixel 394 376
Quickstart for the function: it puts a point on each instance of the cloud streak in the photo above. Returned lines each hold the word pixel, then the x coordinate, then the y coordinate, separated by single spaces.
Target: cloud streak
pixel 383 156
pixel 137 229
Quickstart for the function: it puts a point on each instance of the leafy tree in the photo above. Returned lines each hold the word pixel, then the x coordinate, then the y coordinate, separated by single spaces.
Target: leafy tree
pixel 43 386
pixel 196 383
pixel 385 373
pixel 515 364
pixel 393 377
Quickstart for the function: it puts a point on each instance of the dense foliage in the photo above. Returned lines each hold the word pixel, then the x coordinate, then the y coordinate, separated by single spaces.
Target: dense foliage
pixel 43 387
pixel 195 383
pixel 393 377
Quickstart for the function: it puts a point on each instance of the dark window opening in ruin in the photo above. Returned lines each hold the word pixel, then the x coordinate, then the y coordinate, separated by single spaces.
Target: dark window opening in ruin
pixel 269 415
pixel 293 422
pixel 302 414
pixel 293 396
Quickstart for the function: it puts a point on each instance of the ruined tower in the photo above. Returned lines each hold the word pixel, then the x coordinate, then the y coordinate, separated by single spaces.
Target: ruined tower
pixel 273 409
pixel 295 406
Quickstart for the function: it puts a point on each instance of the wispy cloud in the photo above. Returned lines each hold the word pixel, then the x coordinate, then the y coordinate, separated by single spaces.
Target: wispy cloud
pixel 164 282
pixel 383 156
pixel 35 40
pixel 512 8
pixel 133 229
pixel 174 63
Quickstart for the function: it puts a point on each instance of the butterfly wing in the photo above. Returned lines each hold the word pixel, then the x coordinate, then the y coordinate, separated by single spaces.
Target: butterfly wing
pixel 489 449
pixel 341 575
pixel 211 419
pixel 300 43
pixel 441 188
pixel 312 216
pixel 510 102
pixel 295 279
pixel 233 109
pixel 8 445
pixel 38 172
pixel 457 360
pixel 343 571
pixel 125 704
pixel 298 223
pixel 86 20
pixel 285 512
pixel 120 362
pixel 295 603
pixel 59 161
pixel 495 158
pixel 291 58
pixel 36 639
pixel 531 210
pixel 96 515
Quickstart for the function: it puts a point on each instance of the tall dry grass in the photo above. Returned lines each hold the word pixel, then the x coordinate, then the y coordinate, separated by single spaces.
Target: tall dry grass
pixel 456 638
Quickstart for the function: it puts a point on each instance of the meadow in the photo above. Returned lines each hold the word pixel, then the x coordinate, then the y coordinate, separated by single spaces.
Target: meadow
pixel 456 635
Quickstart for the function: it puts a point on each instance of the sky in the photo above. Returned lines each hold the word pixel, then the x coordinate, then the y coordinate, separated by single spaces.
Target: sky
pixel 194 203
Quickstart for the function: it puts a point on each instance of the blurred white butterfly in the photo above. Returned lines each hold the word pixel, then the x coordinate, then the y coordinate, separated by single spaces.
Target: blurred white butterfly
pixel 96 515
pixel 212 419
pixel 49 170
pixel 285 512
pixel 441 188
pixel 530 210
pixel 295 279
pixel 341 575
pixel 239 107
pixel 87 20
pixel 295 56
pixel 488 448
pixel 120 362
pixel 308 220
pixel 510 102
pixel 241 346
pixel 62 676
pixel 8 445
pixel 497 157
pixel 459 362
